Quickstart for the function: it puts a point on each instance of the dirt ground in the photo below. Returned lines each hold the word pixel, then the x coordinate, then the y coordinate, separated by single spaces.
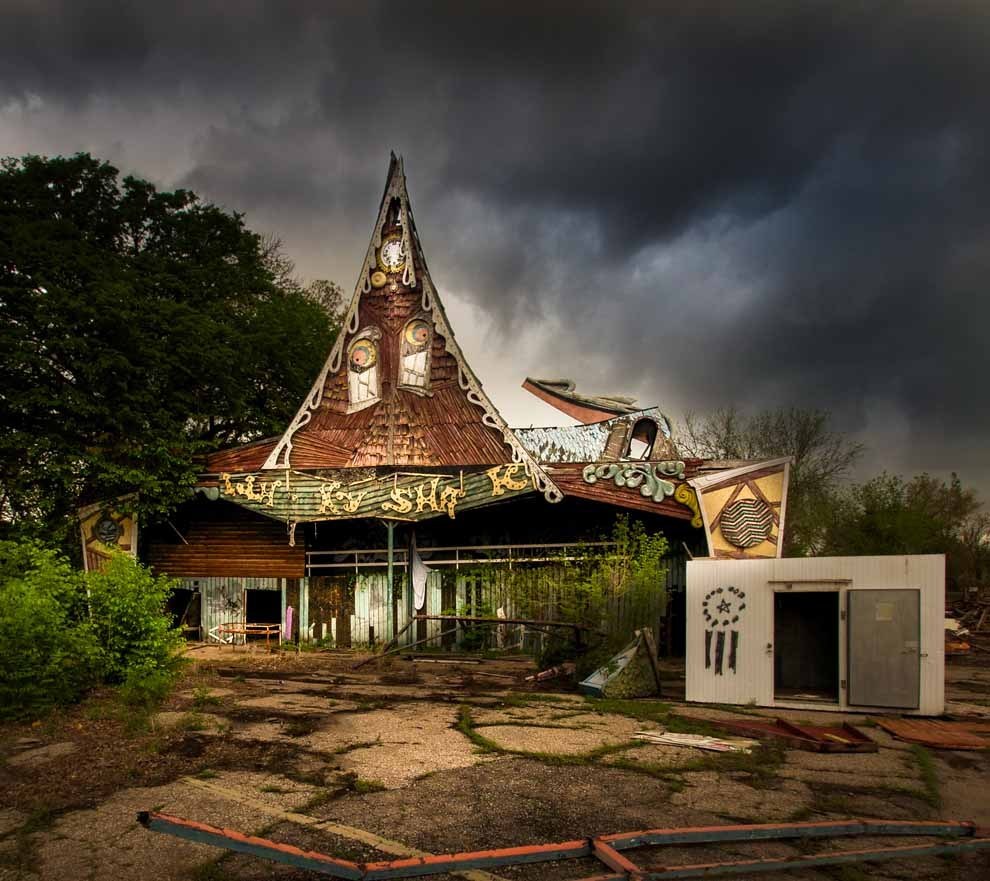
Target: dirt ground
pixel 433 757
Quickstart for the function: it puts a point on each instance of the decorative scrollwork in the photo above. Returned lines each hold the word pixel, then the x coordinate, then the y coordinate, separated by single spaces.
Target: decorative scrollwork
pixel 689 498
pixel 650 479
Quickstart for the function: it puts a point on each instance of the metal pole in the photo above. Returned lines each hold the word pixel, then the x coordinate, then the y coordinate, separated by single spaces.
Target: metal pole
pixel 390 526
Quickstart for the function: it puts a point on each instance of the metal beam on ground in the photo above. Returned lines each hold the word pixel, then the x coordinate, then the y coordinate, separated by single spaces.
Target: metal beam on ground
pixel 605 848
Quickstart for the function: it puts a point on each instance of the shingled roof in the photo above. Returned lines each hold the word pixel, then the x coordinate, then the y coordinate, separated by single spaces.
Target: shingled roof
pixel 396 388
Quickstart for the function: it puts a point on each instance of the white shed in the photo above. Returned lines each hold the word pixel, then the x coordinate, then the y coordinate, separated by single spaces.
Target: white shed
pixel 829 633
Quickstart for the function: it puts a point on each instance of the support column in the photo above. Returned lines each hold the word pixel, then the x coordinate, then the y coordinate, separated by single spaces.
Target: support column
pixel 393 605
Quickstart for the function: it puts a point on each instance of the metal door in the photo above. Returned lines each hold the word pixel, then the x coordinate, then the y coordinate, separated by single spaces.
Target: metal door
pixel 884 648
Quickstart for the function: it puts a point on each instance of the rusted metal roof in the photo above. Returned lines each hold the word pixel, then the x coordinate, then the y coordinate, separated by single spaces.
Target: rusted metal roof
pixel 566 443
pixel 581 443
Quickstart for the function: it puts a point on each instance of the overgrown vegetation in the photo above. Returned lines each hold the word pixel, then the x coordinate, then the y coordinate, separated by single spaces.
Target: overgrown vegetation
pixel 139 329
pixel 63 632
pixel 609 590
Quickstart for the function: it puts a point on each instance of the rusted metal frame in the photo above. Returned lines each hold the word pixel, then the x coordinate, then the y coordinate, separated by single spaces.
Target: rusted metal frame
pixel 532 622
pixel 608 855
pixel 402 648
pixel 752 832
pixel 259 847
pixel 506 856
pixel 803 861
pixel 605 848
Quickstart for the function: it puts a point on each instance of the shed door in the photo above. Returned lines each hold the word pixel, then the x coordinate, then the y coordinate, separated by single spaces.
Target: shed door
pixel 884 648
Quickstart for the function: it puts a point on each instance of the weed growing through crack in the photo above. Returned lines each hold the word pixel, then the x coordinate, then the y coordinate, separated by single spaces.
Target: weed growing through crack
pixel 929 774
pixel 203 697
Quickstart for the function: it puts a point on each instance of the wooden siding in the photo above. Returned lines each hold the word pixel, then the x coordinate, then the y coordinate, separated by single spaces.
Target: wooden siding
pixel 439 428
pixel 225 539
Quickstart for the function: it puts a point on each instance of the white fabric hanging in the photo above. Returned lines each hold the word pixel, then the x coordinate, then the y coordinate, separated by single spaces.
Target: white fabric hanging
pixel 419 574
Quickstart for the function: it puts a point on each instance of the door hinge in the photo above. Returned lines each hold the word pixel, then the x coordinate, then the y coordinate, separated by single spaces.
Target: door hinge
pixel 842 615
pixel 842 683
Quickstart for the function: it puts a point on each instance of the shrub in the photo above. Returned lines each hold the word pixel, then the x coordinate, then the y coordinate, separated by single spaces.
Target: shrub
pixel 127 608
pixel 49 654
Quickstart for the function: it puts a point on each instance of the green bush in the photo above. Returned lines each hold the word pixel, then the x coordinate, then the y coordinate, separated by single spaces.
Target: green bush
pixel 62 632
pixel 49 654
pixel 127 609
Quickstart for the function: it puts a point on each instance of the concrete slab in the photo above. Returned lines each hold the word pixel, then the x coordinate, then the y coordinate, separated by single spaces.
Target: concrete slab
pixel 715 793
pixel 402 743
pixel 41 755
pixel 107 844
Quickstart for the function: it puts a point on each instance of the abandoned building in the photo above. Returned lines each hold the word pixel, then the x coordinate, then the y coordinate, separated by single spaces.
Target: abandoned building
pixel 399 489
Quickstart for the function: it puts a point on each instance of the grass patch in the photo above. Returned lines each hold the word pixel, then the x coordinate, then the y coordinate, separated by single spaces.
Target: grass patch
pixel 277 790
pixel 929 774
pixel 206 774
pixel 300 727
pixel 643 711
pixel 192 722
pixel 360 744
pixel 363 787
pixel 465 724
pixel 203 697
pixel 525 698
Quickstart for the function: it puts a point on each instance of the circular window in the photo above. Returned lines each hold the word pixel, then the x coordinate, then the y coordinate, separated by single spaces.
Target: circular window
pixel 363 354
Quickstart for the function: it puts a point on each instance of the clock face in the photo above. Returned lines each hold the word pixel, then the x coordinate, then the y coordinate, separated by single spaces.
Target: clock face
pixel 392 257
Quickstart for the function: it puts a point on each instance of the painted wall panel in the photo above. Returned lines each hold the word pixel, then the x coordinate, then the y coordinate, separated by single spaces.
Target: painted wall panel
pixel 752 679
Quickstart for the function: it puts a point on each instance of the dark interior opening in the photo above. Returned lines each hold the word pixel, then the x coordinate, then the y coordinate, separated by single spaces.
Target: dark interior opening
pixel 641 441
pixel 263 607
pixel 183 607
pixel 806 645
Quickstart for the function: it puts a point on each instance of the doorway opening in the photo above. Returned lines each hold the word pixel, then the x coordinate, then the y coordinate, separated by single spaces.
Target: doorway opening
pixel 262 607
pixel 806 646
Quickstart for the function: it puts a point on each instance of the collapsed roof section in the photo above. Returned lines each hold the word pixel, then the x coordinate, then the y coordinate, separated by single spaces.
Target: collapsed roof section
pixel 396 389
pixel 562 394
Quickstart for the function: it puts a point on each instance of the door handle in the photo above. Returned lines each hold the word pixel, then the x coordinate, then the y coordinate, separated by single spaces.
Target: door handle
pixel 769 648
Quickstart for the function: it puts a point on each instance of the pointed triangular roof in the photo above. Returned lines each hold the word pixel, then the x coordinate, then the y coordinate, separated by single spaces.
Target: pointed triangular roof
pixel 362 411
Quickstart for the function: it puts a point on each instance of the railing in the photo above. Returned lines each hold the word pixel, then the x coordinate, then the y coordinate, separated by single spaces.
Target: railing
pixel 456 556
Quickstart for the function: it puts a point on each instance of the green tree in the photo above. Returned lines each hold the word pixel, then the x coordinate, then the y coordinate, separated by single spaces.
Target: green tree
pixel 139 329
pixel 822 459
pixel 924 515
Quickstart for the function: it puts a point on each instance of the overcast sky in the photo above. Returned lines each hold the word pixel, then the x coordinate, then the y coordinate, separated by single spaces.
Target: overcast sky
pixel 696 203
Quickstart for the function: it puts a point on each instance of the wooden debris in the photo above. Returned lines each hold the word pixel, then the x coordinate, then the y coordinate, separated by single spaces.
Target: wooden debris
pixel 814 738
pixel 698 741
pixel 935 733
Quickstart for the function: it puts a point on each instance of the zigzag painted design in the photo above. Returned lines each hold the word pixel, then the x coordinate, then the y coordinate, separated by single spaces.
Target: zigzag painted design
pixel 746 523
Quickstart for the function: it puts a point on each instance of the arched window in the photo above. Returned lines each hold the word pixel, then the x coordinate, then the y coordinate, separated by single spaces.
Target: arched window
pixel 414 363
pixel 641 440
pixel 363 381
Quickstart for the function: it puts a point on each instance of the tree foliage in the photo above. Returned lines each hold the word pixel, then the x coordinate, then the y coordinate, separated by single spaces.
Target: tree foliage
pixel 822 459
pixel 138 329
pixel 924 515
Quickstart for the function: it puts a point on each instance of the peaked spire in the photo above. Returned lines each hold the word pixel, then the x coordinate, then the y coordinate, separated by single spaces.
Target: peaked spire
pixel 396 389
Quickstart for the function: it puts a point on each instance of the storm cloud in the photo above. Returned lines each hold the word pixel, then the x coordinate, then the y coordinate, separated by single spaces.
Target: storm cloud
pixel 710 203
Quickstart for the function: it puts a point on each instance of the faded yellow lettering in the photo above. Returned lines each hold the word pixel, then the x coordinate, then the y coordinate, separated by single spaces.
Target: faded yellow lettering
pixel 501 482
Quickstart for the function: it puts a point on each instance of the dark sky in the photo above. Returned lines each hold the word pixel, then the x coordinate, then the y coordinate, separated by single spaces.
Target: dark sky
pixel 698 203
